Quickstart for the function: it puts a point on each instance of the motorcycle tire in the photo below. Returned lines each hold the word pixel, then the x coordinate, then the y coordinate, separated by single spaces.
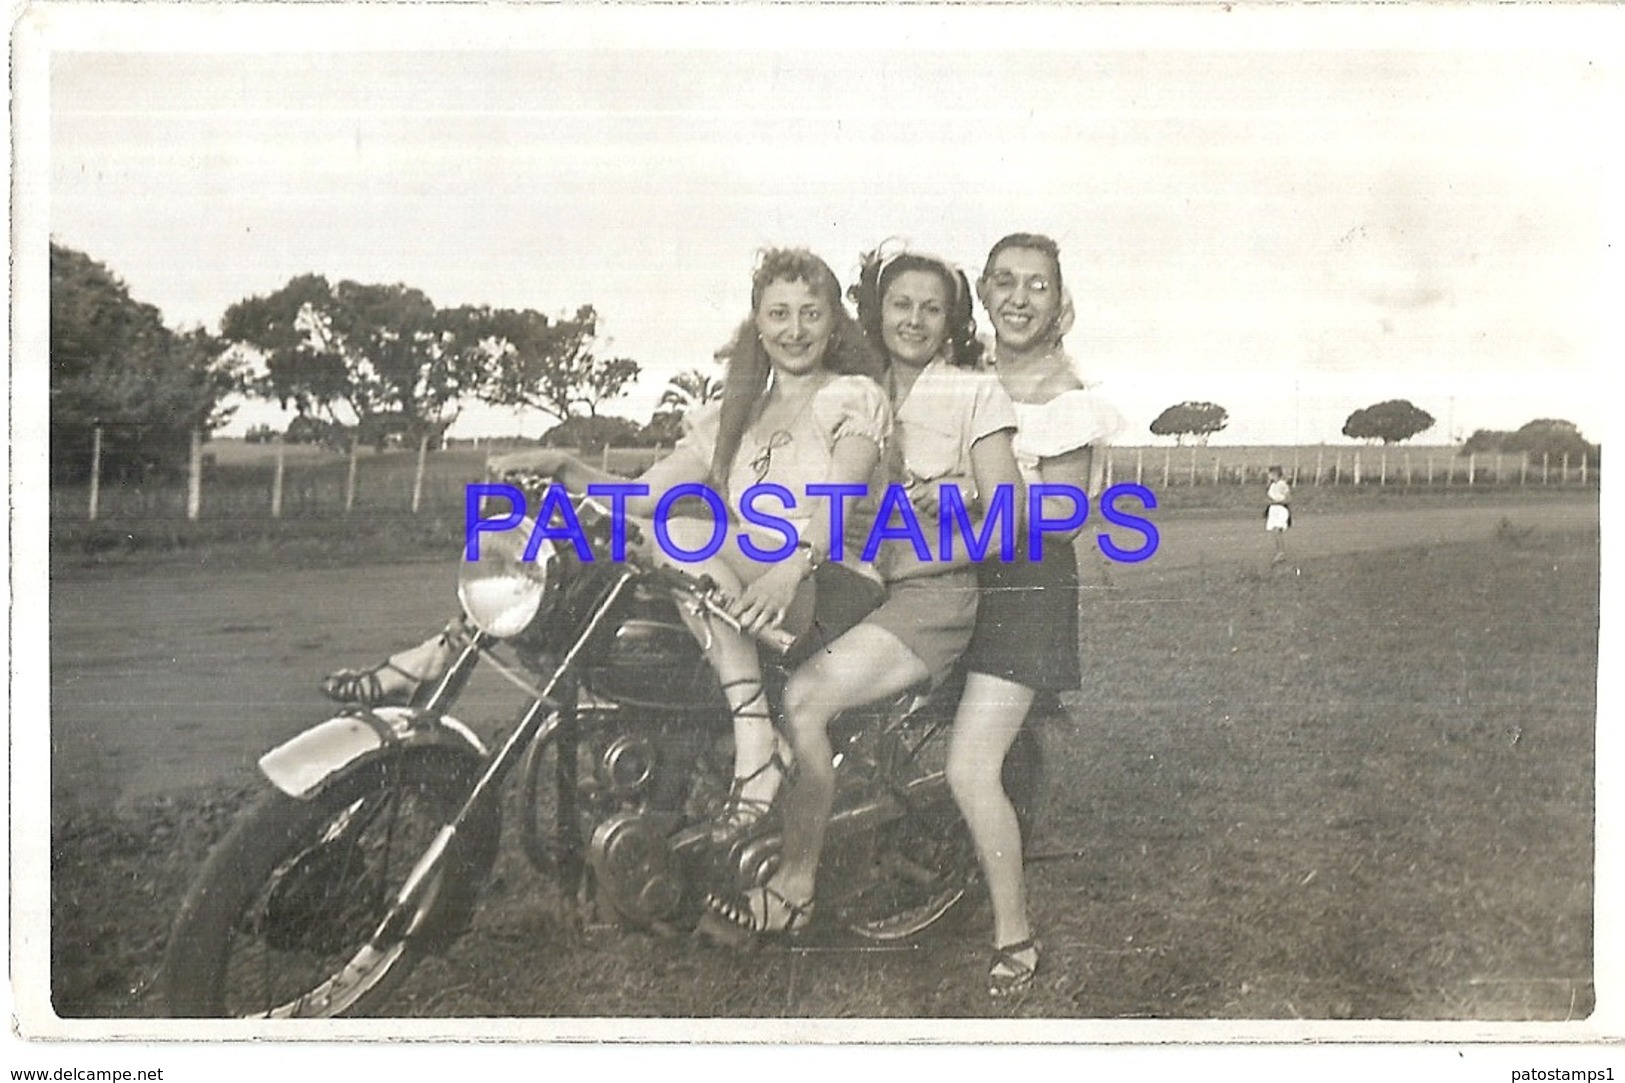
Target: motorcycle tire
pixel 282 921
pixel 926 862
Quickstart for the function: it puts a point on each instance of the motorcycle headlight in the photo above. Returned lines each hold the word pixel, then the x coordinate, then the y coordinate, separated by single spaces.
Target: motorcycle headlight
pixel 502 592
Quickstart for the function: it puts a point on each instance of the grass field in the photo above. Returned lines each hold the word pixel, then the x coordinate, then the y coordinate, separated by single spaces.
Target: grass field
pixel 1363 791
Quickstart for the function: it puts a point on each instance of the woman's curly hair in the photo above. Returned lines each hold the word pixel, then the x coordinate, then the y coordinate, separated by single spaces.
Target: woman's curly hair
pixel 848 353
pixel 880 270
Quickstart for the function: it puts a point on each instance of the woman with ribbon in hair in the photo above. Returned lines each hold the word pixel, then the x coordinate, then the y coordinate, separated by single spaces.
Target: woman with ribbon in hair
pixel 953 423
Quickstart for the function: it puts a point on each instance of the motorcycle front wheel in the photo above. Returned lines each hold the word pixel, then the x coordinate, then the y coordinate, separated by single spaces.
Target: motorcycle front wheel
pixel 283 921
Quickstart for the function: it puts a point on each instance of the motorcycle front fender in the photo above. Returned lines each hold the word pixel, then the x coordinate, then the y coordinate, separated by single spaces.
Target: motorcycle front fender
pixel 307 764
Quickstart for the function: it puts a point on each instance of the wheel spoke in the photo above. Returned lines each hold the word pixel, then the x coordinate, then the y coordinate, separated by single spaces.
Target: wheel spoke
pixel 301 947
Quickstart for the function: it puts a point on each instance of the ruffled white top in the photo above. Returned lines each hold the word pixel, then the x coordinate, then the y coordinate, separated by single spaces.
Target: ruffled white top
pixel 1082 417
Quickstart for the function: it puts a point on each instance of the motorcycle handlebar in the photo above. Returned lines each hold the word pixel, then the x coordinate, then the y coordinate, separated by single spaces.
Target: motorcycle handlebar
pixel 702 589
pixel 710 597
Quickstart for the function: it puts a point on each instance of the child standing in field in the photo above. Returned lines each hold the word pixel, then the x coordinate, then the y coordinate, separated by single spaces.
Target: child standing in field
pixel 1278 515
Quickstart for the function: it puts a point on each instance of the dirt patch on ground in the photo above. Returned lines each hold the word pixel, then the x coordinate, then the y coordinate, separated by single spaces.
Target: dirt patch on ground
pixel 1359 788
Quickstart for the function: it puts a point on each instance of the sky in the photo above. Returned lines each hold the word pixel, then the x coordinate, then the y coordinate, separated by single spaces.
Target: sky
pixel 1293 218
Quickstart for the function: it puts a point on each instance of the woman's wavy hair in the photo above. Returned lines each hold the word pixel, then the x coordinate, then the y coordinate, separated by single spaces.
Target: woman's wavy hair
pixel 848 353
pixel 1038 242
pixel 879 269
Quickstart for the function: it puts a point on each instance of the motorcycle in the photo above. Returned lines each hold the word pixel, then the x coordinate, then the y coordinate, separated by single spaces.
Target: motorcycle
pixel 370 848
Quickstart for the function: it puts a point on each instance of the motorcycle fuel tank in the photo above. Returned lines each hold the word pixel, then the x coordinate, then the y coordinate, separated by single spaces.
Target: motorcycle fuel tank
pixel 658 664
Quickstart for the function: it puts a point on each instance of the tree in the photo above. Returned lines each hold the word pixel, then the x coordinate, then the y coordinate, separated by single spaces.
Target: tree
pixel 1485 441
pixel 1197 419
pixel 1544 436
pixel 1391 422
pixel 375 350
pixel 665 427
pixel 685 391
pixel 592 434
pixel 689 389
pixel 548 365
pixel 114 365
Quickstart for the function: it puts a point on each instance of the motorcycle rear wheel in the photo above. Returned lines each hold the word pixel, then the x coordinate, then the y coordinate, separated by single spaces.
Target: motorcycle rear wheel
pixel 281 922
pixel 924 864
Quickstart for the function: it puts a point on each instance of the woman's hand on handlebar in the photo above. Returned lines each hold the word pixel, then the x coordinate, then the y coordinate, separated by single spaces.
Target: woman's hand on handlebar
pixel 765 602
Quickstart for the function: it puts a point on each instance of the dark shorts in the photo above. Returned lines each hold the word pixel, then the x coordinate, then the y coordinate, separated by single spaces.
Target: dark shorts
pixel 1027 625
pixel 841 598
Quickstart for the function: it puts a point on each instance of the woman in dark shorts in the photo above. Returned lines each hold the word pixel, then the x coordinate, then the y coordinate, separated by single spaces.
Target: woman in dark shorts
pixel 1026 635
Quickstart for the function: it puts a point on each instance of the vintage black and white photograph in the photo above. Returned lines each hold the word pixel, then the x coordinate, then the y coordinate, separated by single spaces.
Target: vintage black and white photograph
pixel 974 523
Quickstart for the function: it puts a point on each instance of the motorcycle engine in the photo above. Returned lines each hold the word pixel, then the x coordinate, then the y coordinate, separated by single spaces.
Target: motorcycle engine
pixel 636 871
pixel 645 780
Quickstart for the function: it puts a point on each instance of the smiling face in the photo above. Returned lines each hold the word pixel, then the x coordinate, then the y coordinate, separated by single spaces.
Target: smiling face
pixel 914 317
pixel 795 322
pixel 1022 295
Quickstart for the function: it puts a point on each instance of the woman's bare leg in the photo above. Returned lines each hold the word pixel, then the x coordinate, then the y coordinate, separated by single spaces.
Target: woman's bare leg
pixel 738 666
pixel 865 665
pixel 990 716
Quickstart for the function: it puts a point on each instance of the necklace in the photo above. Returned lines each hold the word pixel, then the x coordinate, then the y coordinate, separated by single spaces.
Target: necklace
pixel 776 438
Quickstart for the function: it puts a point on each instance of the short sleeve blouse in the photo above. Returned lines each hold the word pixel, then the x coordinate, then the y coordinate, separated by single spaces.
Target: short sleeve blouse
pixel 803 451
pixel 946 411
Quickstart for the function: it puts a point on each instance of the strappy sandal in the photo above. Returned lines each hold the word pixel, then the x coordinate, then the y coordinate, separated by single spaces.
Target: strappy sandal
pixel 365 688
pixel 1009 975
pixel 740 813
pixel 742 920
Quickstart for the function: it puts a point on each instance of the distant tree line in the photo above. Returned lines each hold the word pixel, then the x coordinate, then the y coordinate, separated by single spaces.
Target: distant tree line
pixel 1394 422
pixel 1545 436
pixel 357 362
pixel 117 368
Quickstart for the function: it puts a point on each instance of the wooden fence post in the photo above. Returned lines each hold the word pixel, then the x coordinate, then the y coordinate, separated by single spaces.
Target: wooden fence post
pixel 1430 468
pixel 1407 466
pixel 1337 468
pixel 1215 468
pixel 1523 469
pixel 1167 466
pixel 1356 467
pixel 1382 468
pixel 1193 465
pixel 417 479
pixel 349 479
pixel 1565 480
pixel 1139 465
pixel 1106 480
pixel 194 477
pixel 276 480
pixel 95 471
pixel 1320 462
pixel 1545 467
pixel 1585 459
pixel 1472 467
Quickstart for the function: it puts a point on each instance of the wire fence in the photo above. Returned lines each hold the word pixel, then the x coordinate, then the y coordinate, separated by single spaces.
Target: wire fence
pixel 1316 465
pixel 231 479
